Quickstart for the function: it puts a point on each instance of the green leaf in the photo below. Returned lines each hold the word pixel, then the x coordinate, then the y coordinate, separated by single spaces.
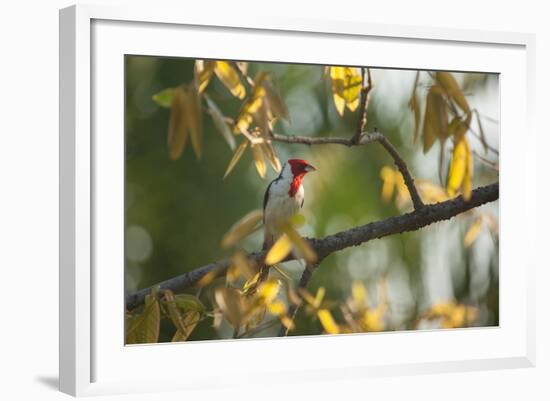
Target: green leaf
pixel 164 97
pixel 146 326
pixel 194 119
pixel 188 302
pixel 190 320
pixel 177 127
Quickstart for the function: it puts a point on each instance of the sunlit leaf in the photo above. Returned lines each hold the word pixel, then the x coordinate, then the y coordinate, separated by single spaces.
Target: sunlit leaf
pixel 359 293
pixel 277 308
pixel 373 320
pixel 473 232
pixel 468 176
pixel 301 244
pixel 251 283
pixel 145 328
pixel 268 290
pixel 236 157
pixel 242 228
pixel 232 304
pixel 259 160
pixel 164 97
pixel 449 84
pixel 230 78
pixel 346 87
pixel 326 319
pixel 435 118
pixel 457 169
pixel 194 118
pixel 388 182
pixel 220 123
pixel 269 152
pixel 287 322
pixel 319 296
pixel 430 192
pixel 279 251
pixel 298 220
pixel 252 105
pixel 203 72
pixel 177 127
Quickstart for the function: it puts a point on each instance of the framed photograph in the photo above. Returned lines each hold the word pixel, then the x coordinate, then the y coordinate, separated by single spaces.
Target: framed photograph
pixel 289 200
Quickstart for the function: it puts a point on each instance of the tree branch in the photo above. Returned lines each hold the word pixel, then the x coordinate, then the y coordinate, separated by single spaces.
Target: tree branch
pixel 355 236
pixel 365 91
pixel 366 138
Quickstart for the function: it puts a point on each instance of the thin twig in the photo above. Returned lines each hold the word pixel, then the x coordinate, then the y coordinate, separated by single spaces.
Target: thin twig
pixel 366 138
pixel 345 239
pixel 365 91
pixel 304 281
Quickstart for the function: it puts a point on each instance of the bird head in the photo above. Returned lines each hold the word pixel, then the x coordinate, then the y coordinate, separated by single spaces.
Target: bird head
pixel 300 167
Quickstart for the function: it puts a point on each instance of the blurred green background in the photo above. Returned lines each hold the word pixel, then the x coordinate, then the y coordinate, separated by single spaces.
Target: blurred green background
pixel 178 211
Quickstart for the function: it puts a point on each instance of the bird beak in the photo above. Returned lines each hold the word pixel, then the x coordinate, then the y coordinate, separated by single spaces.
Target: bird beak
pixel 310 168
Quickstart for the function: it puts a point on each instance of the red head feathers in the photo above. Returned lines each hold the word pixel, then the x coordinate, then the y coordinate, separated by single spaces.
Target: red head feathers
pixel 300 167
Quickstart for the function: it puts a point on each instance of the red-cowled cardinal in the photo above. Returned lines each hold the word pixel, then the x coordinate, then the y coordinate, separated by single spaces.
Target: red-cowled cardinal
pixel 283 198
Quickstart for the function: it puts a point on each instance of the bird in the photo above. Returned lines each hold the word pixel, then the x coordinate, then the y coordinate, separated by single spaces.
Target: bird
pixel 283 198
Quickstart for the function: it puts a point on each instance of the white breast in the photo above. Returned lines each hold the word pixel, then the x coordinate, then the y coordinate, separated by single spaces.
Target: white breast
pixel 280 206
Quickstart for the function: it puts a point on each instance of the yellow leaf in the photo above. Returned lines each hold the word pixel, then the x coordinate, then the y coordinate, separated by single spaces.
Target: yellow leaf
pixel 435 118
pixel 242 228
pixel 359 293
pixel 298 220
pixel 319 296
pixel 448 82
pixel 194 118
pixel 251 283
pixel 277 308
pixel 236 157
pixel 279 251
pixel 287 322
pixel 388 182
pixel 346 87
pixel 268 290
pixel 473 232
pixel 326 319
pixel 468 176
pixel 203 73
pixel 373 320
pixel 230 78
pixel 301 244
pixel 460 170
pixel 252 105
pixel 457 169
pixel 259 160
pixel 177 128
pixel 431 193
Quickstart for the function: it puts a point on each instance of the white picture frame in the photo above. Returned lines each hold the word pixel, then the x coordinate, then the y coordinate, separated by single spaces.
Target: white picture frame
pixel 95 361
